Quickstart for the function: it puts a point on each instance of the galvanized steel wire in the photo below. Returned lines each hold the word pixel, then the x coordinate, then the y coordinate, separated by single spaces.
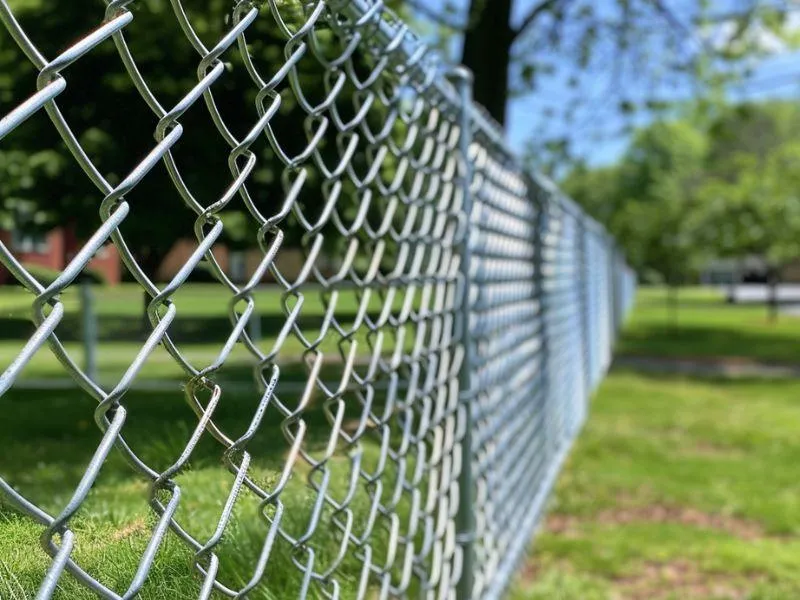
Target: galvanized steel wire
pixel 498 302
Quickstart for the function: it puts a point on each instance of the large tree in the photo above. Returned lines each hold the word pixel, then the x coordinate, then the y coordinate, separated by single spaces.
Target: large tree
pixel 633 51
pixel 116 128
pixel 653 199
pixel 751 196
pixel 719 183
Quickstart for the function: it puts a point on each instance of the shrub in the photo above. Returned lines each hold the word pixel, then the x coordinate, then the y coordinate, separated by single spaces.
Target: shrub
pixel 46 276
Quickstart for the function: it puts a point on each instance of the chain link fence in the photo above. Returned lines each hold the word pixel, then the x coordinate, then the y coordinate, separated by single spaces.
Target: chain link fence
pixel 419 392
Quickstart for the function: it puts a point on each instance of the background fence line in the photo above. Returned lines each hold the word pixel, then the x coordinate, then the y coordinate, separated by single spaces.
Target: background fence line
pixel 472 312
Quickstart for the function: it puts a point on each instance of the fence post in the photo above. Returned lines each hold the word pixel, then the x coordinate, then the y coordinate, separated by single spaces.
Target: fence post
pixel 612 333
pixel 88 329
pixel 583 282
pixel 616 281
pixel 542 201
pixel 465 525
pixel 254 327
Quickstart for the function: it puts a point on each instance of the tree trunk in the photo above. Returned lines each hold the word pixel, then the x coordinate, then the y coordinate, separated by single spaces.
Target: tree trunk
pixel 149 260
pixel 772 302
pixel 487 52
pixel 736 277
pixel 672 306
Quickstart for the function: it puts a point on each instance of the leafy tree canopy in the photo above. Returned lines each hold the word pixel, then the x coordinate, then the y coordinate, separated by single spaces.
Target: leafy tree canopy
pixel 687 190
pixel 591 69
pixel 40 182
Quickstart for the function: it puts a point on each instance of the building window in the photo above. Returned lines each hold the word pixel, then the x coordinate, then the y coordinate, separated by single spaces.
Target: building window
pixel 25 237
pixel 237 266
pixel 29 242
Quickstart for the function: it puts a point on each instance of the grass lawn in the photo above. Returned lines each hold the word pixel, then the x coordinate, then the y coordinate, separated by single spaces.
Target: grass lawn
pixel 678 487
pixel 200 329
pixel 681 487
pixel 49 437
pixel 126 300
pixel 46 450
pixel 707 327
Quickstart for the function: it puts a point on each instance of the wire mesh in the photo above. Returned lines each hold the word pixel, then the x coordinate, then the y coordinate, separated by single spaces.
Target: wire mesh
pixel 432 257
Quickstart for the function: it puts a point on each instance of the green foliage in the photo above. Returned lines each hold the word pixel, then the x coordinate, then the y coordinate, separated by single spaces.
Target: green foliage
pixel 116 128
pixel 47 276
pixel 719 182
pixel 647 201
pixel 756 208
pixel 114 125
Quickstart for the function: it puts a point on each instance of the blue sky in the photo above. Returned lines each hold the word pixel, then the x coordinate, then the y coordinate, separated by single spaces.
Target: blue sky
pixel 598 131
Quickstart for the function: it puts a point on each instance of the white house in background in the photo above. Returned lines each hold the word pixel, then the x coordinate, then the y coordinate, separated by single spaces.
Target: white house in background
pixel 748 269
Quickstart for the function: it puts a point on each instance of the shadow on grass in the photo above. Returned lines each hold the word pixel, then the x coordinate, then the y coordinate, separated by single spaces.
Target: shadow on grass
pixel 50 436
pixel 694 341
pixel 779 385
pixel 192 330
pixel 687 301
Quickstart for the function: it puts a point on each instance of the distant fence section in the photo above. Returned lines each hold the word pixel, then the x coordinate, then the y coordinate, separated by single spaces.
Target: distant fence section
pixel 482 307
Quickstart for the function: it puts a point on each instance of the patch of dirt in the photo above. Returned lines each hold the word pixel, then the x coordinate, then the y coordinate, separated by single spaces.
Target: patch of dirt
pixel 530 570
pixel 708 449
pixel 568 525
pixel 671 580
pixel 715 366
pixel 136 526
pixel 680 579
pixel 350 426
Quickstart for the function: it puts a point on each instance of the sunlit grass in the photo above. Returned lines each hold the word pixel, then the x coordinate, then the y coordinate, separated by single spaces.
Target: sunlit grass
pixel 720 451
pixel 681 488
pixel 200 330
pixel 48 441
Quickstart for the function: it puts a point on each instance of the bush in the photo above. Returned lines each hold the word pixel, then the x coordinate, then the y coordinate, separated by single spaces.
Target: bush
pixel 46 276
pixel 202 273
pixel 652 277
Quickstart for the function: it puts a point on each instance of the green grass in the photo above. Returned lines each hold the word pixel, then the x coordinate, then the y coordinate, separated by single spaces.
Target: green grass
pixel 49 437
pixel 707 327
pixel 678 487
pixel 200 329
pixel 681 487
pixel 113 358
pixel 126 300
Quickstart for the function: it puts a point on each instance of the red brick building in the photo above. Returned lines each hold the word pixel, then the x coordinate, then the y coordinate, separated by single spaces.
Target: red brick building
pixel 53 250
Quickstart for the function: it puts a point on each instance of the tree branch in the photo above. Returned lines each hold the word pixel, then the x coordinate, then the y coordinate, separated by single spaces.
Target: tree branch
pixel 671 18
pixel 746 13
pixel 421 7
pixel 534 14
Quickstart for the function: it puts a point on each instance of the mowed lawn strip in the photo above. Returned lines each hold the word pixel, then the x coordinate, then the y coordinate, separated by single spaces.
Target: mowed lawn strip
pixel 200 329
